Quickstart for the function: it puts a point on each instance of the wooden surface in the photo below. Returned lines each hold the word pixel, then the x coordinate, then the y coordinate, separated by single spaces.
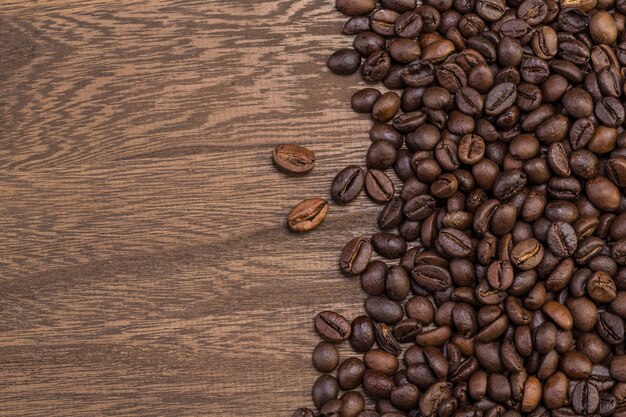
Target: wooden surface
pixel 145 262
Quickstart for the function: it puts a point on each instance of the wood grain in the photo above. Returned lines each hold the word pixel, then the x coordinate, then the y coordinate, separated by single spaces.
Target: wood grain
pixel 146 269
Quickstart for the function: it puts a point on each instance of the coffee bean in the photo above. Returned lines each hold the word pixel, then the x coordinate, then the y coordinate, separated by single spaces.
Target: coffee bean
pixel 362 336
pixel 355 256
pixel 344 61
pixel 432 277
pixel 455 243
pixel 378 186
pixel 383 309
pixel 332 326
pixel 350 373
pixel 419 207
pixel 294 159
pixel 376 66
pixel 387 341
pixel 406 330
pixel 355 7
pixel 388 245
pixel 347 184
pixel 363 100
pixel 307 215
pixel 610 328
pixel 585 397
pixel 500 98
pixel 325 357
pixel 303 412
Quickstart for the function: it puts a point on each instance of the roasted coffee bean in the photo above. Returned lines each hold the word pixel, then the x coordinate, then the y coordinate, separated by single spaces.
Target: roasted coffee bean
pixel 388 245
pixel 379 186
pixel 294 159
pixel 509 183
pixel 610 328
pixel 585 398
pixel 307 215
pixel 350 373
pixel 384 309
pixel 355 256
pixel 332 326
pixel 363 100
pixel 344 61
pixel 362 335
pixel 376 66
pixel 406 330
pixel 500 98
pixel 419 207
pixel 391 215
pixel 325 357
pixel 347 184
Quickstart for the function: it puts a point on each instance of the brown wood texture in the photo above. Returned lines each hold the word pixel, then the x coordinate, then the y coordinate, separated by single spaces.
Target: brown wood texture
pixel 145 265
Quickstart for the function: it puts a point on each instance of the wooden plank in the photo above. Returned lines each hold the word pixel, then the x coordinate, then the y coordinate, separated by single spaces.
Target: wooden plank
pixel 146 267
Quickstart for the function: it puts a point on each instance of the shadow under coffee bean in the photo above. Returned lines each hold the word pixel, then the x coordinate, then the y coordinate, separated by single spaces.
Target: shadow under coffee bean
pixel 502 289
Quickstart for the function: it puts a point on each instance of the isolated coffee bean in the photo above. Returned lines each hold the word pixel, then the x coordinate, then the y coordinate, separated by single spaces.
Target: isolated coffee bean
pixel 307 215
pixel 294 159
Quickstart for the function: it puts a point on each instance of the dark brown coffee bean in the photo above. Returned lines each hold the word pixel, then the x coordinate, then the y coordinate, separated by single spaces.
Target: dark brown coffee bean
pixel 585 397
pixel 432 277
pixel 378 186
pixel 350 373
pixel 469 101
pixel 377 385
pixel 601 287
pixel 534 70
pixel 500 98
pixel 454 243
pixel 347 184
pixel 406 330
pixel 562 239
pixel 433 396
pixel 419 207
pixel 408 25
pixel 363 100
pixel 362 335
pixel 451 77
pixel 509 183
pixel 368 42
pixel 388 245
pixel 355 7
pixel 355 256
pixel 386 107
pixel 383 309
pixel 325 357
pixel 603 193
pixel 610 111
pixel 332 326
pixel 419 73
pixel 344 62
pixel 391 215
pixel 376 66
pixel 527 254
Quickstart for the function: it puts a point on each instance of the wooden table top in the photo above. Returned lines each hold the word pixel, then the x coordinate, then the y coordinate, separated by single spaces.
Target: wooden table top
pixel 145 262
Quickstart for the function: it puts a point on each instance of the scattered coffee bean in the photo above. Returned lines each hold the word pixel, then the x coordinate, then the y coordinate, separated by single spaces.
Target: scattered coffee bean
pixel 307 215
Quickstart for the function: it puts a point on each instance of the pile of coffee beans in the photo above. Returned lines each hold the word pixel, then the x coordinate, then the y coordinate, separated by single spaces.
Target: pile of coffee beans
pixel 505 290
